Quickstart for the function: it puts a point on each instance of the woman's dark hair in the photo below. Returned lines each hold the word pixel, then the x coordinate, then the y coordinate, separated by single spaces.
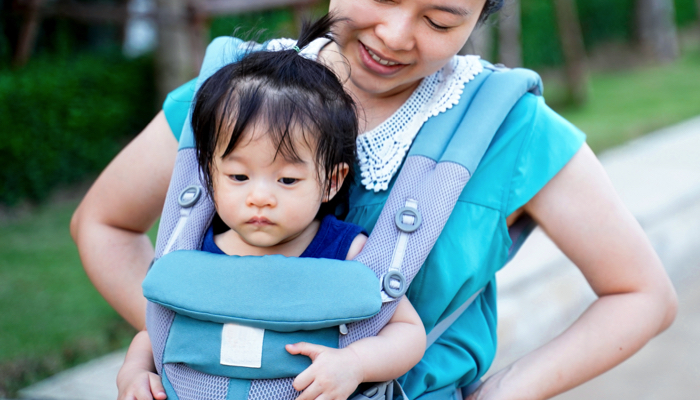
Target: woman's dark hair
pixel 286 93
pixel 491 7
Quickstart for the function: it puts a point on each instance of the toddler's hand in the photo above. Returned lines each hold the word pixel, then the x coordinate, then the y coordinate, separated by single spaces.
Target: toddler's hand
pixel 139 384
pixel 333 375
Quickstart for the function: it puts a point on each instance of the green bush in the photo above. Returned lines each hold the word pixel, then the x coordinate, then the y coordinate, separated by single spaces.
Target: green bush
pixel 66 117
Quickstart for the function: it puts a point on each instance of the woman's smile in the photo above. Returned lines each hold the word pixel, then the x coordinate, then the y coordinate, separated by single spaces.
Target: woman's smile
pixel 377 63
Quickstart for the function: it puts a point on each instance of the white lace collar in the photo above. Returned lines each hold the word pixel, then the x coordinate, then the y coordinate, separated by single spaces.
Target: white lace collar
pixel 382 150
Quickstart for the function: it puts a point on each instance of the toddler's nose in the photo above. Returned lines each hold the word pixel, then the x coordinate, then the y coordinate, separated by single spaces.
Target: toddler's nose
pixel 261 196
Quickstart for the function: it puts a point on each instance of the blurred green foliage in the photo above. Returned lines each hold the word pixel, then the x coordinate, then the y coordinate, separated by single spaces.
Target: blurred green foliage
pixel 64 117
pixel 601 21
pixel 263 25
pixel 686 12
pixel 258 26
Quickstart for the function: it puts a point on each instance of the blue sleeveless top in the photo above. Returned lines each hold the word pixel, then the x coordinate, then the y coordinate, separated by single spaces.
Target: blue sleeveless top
pixel 332 240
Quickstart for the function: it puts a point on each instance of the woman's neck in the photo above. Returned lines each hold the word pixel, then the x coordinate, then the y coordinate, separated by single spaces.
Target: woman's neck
pixel 374 108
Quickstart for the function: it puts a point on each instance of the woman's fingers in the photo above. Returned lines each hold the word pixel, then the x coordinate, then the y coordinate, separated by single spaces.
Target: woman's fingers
pixel 157 389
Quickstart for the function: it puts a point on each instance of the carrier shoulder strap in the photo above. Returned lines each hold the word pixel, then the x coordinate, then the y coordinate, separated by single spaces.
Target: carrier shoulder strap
pixel 424 195
pixel 430 183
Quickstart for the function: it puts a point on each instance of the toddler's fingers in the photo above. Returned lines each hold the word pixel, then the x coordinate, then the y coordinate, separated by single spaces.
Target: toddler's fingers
pixel 308 349
pixel 157 387
pixel 312 392
pixel 303 380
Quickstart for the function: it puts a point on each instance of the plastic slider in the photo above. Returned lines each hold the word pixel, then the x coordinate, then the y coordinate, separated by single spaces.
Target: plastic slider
pixel 408 219
pixel 189 196
pixel 394 284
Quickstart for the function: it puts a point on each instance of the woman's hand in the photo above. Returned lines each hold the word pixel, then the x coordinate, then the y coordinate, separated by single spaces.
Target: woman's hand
pixel 333 375
pixel 581 212
pixel 109 225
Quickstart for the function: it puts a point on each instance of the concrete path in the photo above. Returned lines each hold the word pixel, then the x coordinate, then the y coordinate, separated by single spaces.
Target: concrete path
pixel 658 177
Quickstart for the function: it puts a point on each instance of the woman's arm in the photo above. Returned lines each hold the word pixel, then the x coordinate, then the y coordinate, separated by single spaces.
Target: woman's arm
pixel 581 212
pixel 110 223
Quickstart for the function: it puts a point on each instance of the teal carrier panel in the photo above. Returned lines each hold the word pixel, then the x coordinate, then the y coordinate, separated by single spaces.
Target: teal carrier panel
pixel 218 324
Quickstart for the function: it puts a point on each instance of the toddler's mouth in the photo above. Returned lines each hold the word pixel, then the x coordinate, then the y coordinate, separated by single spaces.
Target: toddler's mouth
pixel 259 221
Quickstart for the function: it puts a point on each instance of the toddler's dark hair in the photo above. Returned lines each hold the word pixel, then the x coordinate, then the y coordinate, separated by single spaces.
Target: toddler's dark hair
pixel 284 92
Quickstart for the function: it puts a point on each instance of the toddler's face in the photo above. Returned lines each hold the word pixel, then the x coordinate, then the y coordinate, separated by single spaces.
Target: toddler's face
pixel 266 200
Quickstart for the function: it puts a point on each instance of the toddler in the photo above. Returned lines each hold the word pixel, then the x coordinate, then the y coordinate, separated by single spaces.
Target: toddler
pixel 275 135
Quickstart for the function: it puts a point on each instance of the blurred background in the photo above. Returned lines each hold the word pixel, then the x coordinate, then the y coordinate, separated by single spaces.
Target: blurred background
pixel 80 78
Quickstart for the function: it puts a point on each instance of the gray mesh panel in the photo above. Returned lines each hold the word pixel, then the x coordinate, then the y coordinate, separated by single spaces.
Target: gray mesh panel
pixel 420 178
pixel 194 385
pixel 188 383
pixel 186 173
pixel 273 389
pixel 158 322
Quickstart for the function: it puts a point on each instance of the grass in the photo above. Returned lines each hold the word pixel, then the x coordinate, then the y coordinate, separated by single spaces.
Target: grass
pixel 624 105
pixel 52 317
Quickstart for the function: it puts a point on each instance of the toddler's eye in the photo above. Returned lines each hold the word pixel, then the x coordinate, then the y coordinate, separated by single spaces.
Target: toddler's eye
pixel 238 178
pixel 288 181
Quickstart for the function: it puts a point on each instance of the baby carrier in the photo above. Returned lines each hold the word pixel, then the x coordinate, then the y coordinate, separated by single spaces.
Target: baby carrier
pixel 218 324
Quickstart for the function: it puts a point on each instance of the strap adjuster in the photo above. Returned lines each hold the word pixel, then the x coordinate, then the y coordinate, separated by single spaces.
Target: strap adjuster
pixel 189 196
pixel 394 284
pixel 408 219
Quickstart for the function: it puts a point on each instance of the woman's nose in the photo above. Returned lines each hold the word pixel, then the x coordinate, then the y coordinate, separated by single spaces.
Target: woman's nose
pixel 261 195
pixel 396 29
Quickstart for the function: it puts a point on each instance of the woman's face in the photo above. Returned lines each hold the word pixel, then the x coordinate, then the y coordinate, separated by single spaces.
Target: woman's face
pixel 392 45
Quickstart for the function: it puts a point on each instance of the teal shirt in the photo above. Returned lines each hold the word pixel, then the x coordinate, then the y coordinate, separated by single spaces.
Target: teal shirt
pixel 530 147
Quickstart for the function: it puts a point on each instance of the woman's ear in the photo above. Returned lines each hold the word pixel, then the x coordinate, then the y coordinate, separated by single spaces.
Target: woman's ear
pixel 340 171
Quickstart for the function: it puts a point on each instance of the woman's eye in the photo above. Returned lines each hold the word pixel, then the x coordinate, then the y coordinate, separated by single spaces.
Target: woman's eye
pixel 436 26
pixel 288 181
pixel 239 178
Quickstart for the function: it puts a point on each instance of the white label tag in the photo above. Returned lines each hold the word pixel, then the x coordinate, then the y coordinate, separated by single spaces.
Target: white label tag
pixel 241 346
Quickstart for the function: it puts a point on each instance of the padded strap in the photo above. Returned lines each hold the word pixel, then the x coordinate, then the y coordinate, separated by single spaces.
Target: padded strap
pixel 436 186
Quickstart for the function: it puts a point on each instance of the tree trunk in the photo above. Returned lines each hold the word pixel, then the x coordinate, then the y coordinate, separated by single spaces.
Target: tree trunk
pixel 573 49
pixel 510 52
pixel 656 29
pixel 174 64
pixel 28 33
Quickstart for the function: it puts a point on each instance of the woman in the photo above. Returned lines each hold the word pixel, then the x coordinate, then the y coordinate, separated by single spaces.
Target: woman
pixel 537 165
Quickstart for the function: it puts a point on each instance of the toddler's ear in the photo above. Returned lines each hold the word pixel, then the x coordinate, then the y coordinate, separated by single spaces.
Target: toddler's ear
pixel 340 171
